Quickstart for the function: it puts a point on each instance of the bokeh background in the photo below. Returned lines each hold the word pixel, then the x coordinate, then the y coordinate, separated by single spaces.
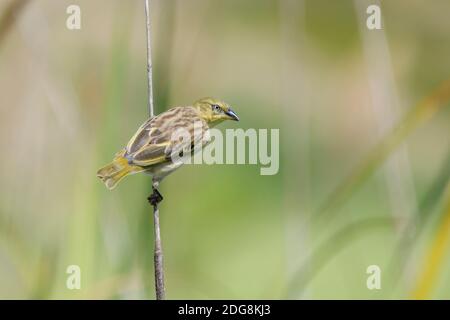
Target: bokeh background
pixel 71 98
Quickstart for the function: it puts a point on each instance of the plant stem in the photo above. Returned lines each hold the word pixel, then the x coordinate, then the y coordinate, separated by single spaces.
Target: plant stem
pixel 158 258
pixel 158 253
pixel 149 61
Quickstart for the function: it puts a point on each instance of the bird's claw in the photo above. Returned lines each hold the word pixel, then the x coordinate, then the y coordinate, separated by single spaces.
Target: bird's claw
pixel 155 197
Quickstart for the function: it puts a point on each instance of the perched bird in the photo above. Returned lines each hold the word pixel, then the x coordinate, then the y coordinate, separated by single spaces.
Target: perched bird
pixel 152 147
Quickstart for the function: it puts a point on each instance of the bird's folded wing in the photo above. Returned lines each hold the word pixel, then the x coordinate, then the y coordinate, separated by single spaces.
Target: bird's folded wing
pixel 155 141
pixel 141 137
pixel 151 154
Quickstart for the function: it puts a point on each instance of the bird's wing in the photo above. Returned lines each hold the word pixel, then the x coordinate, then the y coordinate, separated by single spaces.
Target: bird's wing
pixel 154 141
pixel 141 137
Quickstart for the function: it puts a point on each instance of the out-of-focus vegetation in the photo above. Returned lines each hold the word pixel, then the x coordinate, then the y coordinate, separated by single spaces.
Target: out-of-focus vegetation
pixel 71 99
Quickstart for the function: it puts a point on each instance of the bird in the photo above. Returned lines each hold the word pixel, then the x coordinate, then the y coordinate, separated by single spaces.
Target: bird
pixel 152 148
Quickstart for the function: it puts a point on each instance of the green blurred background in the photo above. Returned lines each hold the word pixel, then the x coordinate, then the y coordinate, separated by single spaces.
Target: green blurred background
pixel 71 98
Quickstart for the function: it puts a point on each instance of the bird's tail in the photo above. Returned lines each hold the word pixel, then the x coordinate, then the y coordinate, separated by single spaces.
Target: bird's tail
pixel 112 173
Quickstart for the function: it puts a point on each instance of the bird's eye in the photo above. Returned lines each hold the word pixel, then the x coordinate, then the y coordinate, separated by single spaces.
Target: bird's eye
pixel 216 108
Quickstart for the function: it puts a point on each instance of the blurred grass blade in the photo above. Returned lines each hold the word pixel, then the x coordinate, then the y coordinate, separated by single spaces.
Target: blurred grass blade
pixel 436 256
pixel 330 248
pixel 415 227
pixel 9 16
pixel 423 112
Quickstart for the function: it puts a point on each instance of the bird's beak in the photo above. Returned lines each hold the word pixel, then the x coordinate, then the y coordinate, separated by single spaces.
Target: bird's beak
pixel 232 115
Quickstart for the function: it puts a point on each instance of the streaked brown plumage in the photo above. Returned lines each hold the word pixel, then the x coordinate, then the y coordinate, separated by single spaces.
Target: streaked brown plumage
pixel 152 147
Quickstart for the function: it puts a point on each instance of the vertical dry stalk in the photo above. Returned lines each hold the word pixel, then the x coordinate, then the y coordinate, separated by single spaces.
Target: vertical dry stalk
pixel 158 258
pixel 158 253
pixel 149 61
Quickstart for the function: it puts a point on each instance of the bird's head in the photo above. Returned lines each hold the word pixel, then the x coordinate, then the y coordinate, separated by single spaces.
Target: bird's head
pixel 215 111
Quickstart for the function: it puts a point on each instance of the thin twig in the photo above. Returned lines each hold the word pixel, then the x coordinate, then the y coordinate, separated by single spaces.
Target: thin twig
pixel 158 253
pixel 151 110
pixel 158 258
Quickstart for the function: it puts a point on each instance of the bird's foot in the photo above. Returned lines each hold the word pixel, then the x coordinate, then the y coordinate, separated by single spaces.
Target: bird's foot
pixel 155 197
